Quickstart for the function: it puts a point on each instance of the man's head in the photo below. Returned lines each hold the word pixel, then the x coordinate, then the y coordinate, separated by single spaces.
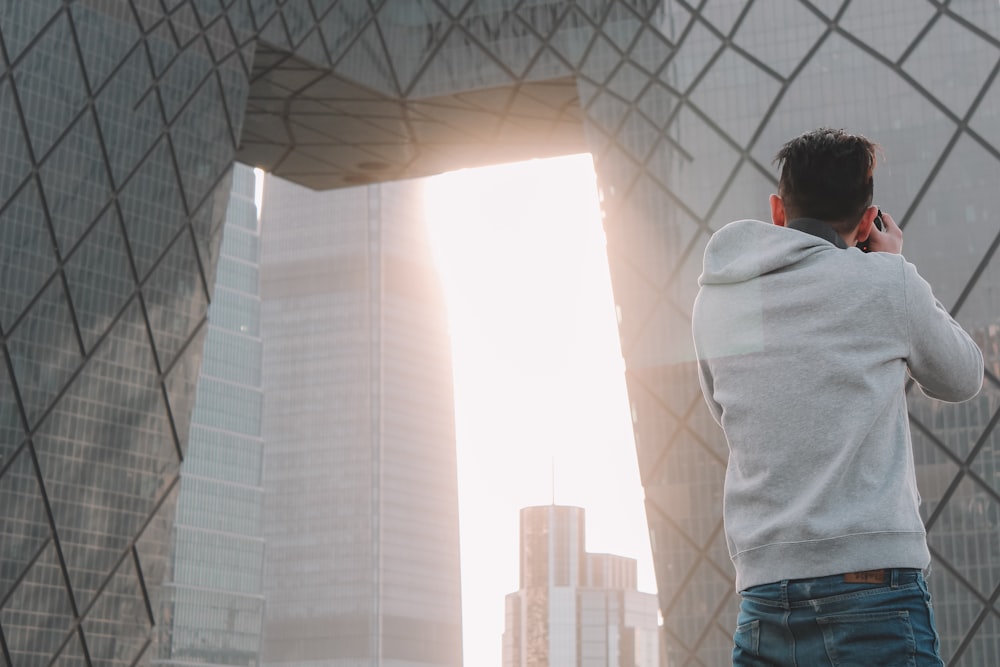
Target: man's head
pixel 827 175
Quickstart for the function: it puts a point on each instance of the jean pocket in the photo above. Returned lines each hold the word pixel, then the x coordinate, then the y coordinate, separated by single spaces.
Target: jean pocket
pixel 874 639
pixel 747 642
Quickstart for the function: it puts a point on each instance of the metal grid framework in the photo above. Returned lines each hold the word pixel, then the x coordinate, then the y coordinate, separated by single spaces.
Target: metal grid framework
pixel 121 121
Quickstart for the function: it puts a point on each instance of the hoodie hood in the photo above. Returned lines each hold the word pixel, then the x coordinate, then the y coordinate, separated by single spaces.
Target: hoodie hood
pixel 746 249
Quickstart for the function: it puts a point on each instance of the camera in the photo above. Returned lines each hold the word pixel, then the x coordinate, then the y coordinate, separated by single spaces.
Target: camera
pixel 879 225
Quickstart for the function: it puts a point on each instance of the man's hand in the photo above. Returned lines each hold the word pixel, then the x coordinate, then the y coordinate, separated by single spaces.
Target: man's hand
pixel 888 240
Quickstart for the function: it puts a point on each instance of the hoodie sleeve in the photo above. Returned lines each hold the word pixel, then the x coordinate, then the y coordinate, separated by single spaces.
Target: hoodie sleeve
pixel 943 359
pixel 708 390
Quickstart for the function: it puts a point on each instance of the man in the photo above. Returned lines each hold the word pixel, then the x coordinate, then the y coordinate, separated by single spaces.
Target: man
pixel 804 345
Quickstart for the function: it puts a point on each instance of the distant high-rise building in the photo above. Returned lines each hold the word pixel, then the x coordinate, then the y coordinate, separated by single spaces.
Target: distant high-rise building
pixel 361 500
pixel 573 608
pixel 213 605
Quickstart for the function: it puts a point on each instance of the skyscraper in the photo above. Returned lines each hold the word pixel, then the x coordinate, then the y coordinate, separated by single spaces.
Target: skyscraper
pixel 121 121
pixel 213 603
pixel 573 608
pixel 361 509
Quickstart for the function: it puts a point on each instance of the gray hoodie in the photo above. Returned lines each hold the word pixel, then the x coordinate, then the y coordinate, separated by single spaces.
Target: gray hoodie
pixel 804 350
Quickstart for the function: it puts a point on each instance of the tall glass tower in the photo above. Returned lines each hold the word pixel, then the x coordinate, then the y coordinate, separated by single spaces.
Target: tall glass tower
pixel 361 506
pixel 213 605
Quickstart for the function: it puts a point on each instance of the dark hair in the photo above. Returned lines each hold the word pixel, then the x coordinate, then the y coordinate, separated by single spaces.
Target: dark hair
pixel 827 175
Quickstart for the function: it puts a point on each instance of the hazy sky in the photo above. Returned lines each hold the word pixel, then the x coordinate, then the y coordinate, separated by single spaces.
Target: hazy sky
pixel 541 410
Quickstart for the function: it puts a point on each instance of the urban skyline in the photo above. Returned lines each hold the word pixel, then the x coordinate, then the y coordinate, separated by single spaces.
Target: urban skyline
pixel 216 596
pixel 123 120
pixel 539 385
pixel 574 608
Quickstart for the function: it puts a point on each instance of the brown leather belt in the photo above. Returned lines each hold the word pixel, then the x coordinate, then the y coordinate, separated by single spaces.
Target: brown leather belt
pixel 867 577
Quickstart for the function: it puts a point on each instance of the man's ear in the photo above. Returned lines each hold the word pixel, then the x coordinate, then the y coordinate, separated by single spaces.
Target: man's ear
pixel 864 228
pixel 777 211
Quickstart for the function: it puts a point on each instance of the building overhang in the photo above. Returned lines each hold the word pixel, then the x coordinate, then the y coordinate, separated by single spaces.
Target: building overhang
pixel 321 130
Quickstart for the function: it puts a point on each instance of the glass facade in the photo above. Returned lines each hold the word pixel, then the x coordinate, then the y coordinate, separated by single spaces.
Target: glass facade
pixel 118 150
pixel 573 608
pixel 121 121
pixel 213 603
pixel 361 506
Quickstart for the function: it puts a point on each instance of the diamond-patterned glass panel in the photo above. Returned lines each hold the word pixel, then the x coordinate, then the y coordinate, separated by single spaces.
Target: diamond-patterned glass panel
pixel 175 300
pixel 734 76
pixel 693 180
pixel 11 433
pixel 153 548
pixel 44 350
pixel 946 48
pixel 26 257
pixel 200 137
pixel 985 648
pixel 637 135
pixel 696 46
pixel 15 164
pixel 686 486
pixel 573 38
pixel 72 654
pixel 622 23
pixel 129 115
pixel 50 86
pixel 697 605
pixel 779 36
pixel 21 22
pixel 965 535
pixel 152 208
pixel 220 39
pixel 185 73
pixel 365 61
pixel 956 609
pixel 958 426
pixel 403 28
pixel 75 182
pixel 602 59
pixel 908 19
pixel 653 414
pixel 952 230
pixel 117 627
pixel 23 523
pixel 107 452
pixel 103 49
pixel 38 616
pixel 207 226
pixel 100 278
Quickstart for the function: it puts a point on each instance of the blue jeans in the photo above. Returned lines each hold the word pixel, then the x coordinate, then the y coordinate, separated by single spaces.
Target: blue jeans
pixel 874 619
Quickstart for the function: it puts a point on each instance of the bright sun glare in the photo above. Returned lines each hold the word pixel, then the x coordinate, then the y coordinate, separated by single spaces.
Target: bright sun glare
pixel 540 405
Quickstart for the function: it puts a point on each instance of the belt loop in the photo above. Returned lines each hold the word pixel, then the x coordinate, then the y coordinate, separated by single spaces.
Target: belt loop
pixel 784 594
pixel 895 577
